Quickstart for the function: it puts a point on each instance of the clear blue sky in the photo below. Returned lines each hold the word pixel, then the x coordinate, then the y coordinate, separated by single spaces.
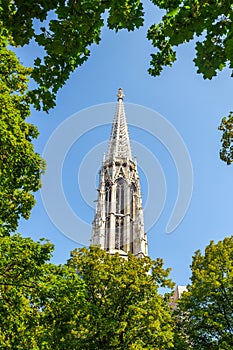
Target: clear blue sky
pixel 194 107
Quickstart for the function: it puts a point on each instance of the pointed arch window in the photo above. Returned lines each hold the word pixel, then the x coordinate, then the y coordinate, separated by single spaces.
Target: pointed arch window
pixel 132 201
pixel 120 196
pixel 133 191
pixel 107 232
pixel 108 197
pixel 119 237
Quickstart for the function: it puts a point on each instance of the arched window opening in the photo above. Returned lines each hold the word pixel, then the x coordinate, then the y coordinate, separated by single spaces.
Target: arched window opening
pixel 120 196
pixel 122 234
pixel 108 194
pixel 119 237
pixel 131 237
pixel 107 232
pixel 132 201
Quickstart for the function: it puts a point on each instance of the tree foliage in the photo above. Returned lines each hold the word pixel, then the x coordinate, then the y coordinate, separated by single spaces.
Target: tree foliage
pixel 210 23
pixel 22 269
pixel 39 300
pixel 205 311
pixel 20 165
pixel 65 30
pixel 226 152
pixel 123 308
pixel 96 301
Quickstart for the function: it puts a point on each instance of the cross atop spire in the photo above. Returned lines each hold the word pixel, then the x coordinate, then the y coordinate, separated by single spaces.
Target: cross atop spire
pixel 120 94
pixel 119 144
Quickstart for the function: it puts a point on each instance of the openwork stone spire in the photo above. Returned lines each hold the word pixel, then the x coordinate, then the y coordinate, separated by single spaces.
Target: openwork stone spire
pixel 119 145
pixel 118 225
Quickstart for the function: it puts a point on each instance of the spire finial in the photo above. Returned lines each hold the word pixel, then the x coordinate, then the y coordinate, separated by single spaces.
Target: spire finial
pixel 120 94
pixel 119 144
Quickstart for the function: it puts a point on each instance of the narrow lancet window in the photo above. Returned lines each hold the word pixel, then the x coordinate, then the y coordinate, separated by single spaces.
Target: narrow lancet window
pixel 120 196
pixel 108 196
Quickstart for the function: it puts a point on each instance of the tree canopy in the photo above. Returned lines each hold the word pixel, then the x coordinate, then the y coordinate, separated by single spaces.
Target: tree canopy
pixel 210 24
pixel 22 270
pixel 210 21
pixel 65 30
pixel 95 301
pixel 226 126
pixel 124 309
pixel 20 165
pixel 205 311
pixel 39 300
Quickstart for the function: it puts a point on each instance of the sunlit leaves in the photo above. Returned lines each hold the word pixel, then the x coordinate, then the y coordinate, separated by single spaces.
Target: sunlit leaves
pixel 226 152
pixel 206 309
pixel 96 301
pixel 23 269
pixel 20 166
pixel 126 14
pixel 210 23
pixel 65 30
pixel 182 22
pixel 40 303
pixel 123 307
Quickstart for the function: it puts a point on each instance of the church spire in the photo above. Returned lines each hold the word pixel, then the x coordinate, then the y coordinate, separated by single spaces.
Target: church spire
pixel 118 225
pixel 119 145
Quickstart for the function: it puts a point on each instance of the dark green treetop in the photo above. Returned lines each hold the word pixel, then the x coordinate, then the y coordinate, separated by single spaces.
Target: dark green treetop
pixel 205 311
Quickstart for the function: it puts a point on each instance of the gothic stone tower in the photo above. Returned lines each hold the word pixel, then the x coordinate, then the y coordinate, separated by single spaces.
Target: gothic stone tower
pixel 118 224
